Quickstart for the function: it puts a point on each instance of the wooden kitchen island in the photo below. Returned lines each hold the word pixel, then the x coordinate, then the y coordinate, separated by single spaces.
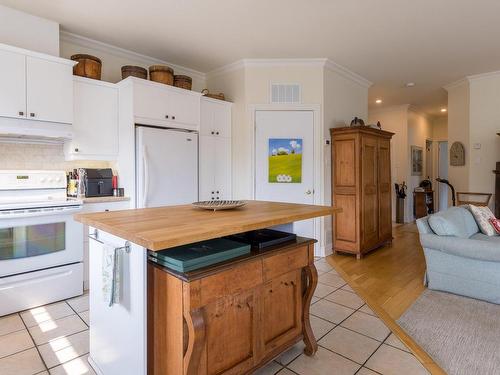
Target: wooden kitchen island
pixel 228 318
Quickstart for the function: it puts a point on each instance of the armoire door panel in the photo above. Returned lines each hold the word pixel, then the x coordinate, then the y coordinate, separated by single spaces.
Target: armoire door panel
pixel 384 187
pixel 345 221
pixel 345 162
pixel 369 182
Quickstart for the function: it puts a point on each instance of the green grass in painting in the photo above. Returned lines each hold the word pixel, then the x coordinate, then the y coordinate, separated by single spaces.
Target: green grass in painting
pixel 286 164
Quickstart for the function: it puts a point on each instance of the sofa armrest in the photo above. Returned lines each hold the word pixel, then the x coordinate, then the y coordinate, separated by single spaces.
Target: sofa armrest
pixel 467 248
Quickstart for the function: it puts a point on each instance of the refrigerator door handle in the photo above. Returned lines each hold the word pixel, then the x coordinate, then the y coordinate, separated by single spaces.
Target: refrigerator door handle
pixel 146 177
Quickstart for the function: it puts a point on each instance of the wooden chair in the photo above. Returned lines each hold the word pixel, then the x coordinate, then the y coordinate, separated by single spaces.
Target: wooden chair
pixel 476 199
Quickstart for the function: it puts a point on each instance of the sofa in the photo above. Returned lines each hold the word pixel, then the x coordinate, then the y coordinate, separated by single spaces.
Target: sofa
pixel 460 259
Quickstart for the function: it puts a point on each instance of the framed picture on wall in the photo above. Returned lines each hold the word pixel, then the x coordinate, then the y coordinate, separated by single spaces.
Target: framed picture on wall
pixel 417 161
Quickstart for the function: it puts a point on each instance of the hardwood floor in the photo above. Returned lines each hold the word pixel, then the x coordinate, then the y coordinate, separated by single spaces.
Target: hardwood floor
pixel 392 275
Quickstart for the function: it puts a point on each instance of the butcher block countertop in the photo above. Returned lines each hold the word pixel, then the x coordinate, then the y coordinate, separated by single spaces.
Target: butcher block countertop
pixel 164 227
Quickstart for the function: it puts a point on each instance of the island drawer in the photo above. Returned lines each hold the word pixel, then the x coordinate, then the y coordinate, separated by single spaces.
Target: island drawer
pixel 228 282
pixel 279 264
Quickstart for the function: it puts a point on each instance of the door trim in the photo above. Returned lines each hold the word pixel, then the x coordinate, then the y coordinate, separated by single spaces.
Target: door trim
pixel 318 160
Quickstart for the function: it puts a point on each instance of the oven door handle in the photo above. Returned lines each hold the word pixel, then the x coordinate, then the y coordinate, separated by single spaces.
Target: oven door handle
pixel 20 214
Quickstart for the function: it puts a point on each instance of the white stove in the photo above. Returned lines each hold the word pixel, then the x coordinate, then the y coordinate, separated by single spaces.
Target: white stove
pixel 41 246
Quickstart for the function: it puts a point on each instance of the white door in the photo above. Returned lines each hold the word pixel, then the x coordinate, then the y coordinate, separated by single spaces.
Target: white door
pixel 185 108
pixel 49 87
pixel 284 160
pixel 167 167
pixel 95 125
pixel 12 84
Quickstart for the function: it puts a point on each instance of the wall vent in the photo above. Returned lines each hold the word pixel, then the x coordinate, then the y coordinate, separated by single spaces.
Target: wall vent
pixel 285 93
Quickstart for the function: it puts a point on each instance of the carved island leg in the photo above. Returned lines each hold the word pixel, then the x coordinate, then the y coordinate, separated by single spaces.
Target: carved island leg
pixel 311 278
pixel 195 322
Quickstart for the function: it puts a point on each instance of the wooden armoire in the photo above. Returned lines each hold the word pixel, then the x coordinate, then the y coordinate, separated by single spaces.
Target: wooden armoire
pixel 361 186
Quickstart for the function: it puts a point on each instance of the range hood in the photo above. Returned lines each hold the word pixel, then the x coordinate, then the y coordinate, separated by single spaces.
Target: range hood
pixel 34 130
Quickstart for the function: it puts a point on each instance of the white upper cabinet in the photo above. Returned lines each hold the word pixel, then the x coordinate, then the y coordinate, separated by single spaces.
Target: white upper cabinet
pixel 167 106
pixel 12 84
pixel 95 125
pixel 35 86
pixel 49 90
pixel 216 117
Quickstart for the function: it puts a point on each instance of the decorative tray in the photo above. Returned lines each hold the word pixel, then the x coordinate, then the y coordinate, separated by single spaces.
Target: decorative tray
pixel 219 205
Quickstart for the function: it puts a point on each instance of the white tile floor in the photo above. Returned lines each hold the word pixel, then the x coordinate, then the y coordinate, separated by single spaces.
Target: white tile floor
pixel 53 339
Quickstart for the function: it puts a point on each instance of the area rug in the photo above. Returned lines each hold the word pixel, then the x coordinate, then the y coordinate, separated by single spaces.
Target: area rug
pixel 461 334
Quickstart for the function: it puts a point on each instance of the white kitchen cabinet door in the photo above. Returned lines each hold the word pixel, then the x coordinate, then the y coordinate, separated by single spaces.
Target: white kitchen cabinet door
pixel 222 168
pixel 185 108
pixel 49 90
pixel 207 168
pixel 215 117
pixel 151 102
pixel 12 84
pixel 95 125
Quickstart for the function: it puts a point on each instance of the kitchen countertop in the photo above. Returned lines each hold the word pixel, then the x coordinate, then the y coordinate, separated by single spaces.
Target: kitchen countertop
pixel 164 227
pixel 104 199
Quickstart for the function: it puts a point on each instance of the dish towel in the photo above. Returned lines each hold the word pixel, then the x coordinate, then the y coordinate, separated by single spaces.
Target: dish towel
pixel 110 275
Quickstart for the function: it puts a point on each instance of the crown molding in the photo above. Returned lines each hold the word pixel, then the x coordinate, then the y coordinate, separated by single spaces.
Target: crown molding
pixel 82 41
pixel 454 84
pixel 475 77
pixel 311 62
pixel 346 73
pixel 228 68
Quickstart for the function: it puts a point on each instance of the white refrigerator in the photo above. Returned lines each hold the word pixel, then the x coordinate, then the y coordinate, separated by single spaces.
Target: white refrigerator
pixel 166 167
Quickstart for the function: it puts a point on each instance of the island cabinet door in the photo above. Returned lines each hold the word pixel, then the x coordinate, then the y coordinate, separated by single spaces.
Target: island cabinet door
pixel 231 326
pixel 281 311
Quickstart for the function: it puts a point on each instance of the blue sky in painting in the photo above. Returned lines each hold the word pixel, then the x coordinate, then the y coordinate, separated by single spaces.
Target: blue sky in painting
pixel 276 144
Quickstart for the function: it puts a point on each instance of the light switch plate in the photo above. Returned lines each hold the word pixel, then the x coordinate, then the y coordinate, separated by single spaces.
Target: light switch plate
pixel 476 146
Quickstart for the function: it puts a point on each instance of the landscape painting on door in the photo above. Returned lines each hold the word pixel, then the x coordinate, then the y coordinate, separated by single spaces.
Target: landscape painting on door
pixel 284 160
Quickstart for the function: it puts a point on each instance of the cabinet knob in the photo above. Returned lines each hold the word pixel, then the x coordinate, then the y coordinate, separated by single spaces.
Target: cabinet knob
pixel 217 133
pixel 76 149
pixel 213 192
pixel 166 116
pixel 213 198
pixel 21 113
pixel 217 191
pixel 308 192
pixel 213 133
pixel 218 198
pixel 173 117
pixel 32 114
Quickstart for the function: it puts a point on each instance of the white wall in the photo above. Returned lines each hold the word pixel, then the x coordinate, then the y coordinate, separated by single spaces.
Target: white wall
pixel 484 117
pixel 458 131
pixel 248 84
pixel 30 32
pixel 344 99
pixel 395 120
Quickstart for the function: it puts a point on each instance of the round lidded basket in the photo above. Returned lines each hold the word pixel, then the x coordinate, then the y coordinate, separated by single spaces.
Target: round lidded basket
pixel 184 82
pixel 134 71
pixel 88 66
pixel 161 73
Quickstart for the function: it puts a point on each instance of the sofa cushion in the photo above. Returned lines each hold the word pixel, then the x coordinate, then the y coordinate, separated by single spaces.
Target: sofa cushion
pixel 484 237
pixel 483 216
pixel 455 221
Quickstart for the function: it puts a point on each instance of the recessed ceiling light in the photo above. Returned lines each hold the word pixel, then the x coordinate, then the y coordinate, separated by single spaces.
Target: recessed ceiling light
pixel 378 101
pixel 410 84
pixel 443 109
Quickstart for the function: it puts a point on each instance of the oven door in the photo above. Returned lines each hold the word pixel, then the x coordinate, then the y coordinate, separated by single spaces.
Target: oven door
pixel 35 239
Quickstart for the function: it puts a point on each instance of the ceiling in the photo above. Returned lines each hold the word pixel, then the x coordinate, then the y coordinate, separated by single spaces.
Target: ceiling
pixel 389 42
